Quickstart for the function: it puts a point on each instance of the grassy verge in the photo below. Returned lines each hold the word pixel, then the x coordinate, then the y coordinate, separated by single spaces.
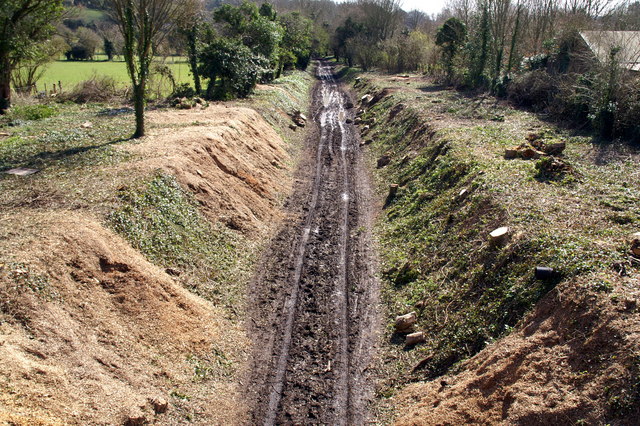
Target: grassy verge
pixel 162 221
pixel 281 98
pixel 446 154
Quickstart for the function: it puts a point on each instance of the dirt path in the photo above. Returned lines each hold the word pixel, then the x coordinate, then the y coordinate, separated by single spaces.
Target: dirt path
pixel 314 303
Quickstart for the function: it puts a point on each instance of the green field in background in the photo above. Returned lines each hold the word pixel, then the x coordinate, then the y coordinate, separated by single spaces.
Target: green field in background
pixel 88 15
pixel 70 73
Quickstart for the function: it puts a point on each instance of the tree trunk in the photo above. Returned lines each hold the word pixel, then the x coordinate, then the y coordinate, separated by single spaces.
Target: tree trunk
pixel 196 79
pixel 5 84
pixel 211 87
pixel 138 100
pixel 514 39
pixel 192 36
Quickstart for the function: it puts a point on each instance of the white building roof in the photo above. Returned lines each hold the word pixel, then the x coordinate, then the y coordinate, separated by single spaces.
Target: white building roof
pixel 601 43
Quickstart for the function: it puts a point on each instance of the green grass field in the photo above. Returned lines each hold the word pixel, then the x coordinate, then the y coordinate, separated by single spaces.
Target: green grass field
pixel 89 15
pixel 70 73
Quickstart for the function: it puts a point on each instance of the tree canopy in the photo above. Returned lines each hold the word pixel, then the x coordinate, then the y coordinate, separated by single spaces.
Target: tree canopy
pixel 24 25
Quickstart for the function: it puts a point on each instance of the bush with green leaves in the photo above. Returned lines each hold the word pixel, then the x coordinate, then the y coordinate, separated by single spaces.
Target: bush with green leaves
pixel 451 36
pixel 297 41
pixel 256 29
pixel 183 90
pixel 33 112
pixel 232 68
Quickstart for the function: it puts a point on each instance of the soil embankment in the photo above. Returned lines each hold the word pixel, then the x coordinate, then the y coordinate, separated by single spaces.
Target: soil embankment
pixel 314 302
pixel 93 332
pixel 502 344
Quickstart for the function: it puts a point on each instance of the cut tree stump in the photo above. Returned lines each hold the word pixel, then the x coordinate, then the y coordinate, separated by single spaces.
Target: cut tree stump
pixel 531 154
pixel 383 161
pixel 366 99
pixel 510 153
pixel 405 323
pixel 415 338
pixel 393 190
pixel 299 119
pixel 160 405
pixel 555 148
pixel 635 244
pixel 499 235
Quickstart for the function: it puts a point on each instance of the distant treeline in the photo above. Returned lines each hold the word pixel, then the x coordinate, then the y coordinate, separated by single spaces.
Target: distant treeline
pixel 528 50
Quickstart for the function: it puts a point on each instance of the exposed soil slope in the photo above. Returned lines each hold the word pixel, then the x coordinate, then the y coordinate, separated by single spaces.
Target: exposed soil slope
pixel 230 158
pixel 90 331
pixel 576 357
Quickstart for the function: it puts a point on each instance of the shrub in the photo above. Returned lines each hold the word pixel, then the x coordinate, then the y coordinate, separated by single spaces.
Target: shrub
pixel 232 68
pixel 183 90
pixel 161 81
pixel 96 89
pixel 629 111
pixel 535 89
pixel 33 112
pixel 78 53
pixel 535 62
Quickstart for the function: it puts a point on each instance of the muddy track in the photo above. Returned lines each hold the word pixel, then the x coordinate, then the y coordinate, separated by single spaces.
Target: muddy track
pixel 313 304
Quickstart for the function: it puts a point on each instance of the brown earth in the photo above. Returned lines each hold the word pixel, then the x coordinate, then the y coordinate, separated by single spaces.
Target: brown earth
pixel 91 332
pixel 230 158
pixel 314 313
pixel 568 361
pixel 106 334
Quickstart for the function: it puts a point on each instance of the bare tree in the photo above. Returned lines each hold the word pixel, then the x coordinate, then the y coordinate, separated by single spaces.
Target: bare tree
pixel 144 24
pixel 415 19
pixel 381 17
pixel 541 20
pixel 589 8
pixel 499 18
pixel 463 9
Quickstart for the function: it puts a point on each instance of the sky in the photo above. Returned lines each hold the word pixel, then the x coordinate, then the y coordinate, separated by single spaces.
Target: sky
pixel 428 6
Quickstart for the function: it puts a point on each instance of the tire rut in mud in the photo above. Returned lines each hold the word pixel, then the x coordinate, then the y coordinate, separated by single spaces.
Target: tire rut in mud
pixel 313 303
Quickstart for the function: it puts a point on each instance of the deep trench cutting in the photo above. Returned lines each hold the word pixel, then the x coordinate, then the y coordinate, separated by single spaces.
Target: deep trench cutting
pixel 316 295
pixel 290 305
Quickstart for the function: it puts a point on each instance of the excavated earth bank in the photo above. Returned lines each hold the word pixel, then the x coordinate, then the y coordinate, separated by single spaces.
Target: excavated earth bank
pixel 91 332
pixel 313 313
pixel 568 352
